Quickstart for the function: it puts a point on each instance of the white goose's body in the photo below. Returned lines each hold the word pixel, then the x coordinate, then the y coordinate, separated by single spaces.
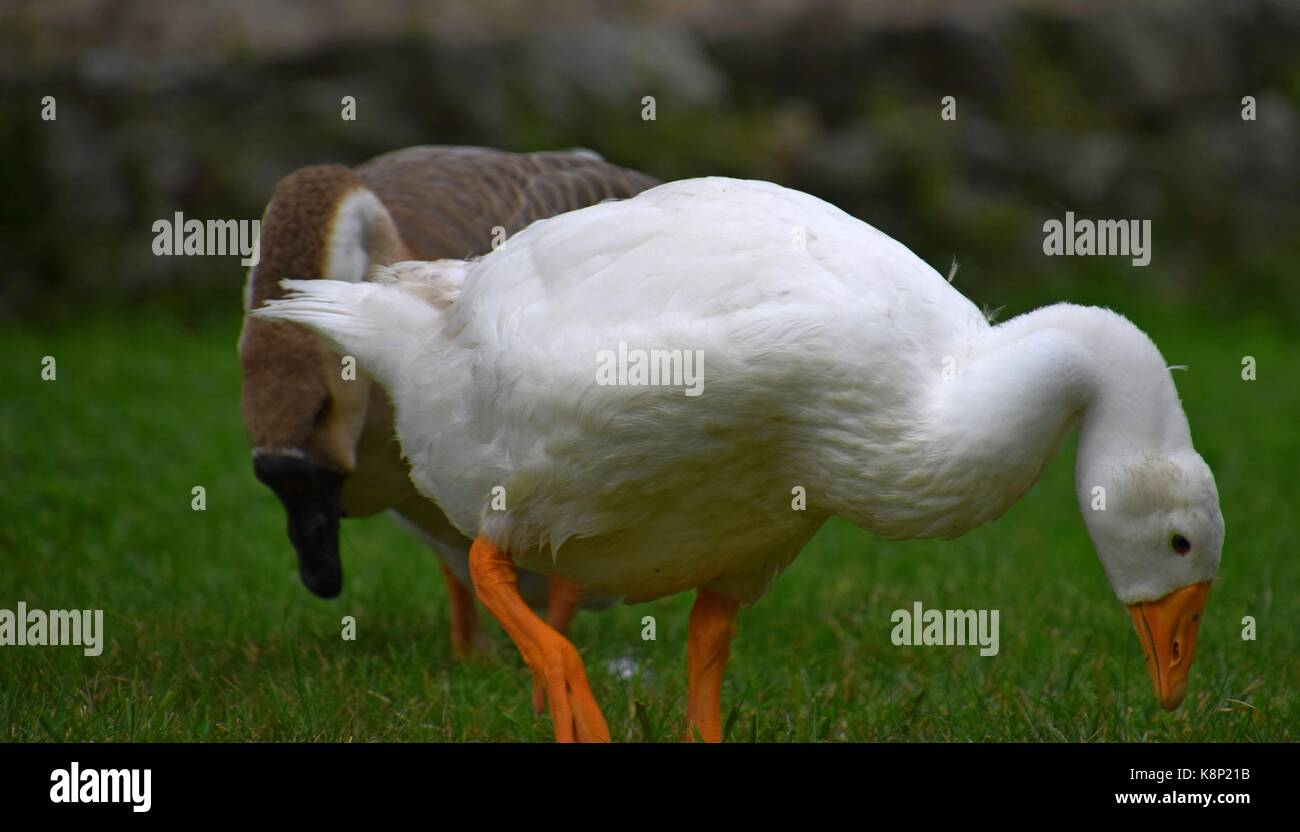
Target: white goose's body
pixel 834 361
pixel 815 356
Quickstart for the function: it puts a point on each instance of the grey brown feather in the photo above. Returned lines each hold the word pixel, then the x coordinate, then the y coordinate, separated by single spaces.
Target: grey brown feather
pixel 447 200
pixel 441 202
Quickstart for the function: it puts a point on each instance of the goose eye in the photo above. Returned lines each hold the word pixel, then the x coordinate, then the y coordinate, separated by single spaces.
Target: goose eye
pixel 1181 544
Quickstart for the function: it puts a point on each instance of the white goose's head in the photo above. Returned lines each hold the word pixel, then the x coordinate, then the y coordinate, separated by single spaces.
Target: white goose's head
pixel 1159 539
pixel 1148 499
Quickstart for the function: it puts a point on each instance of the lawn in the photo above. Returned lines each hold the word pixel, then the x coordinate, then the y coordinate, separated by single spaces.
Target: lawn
pixel 210 636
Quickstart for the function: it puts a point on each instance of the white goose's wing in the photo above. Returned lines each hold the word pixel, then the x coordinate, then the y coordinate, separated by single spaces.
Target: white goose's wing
pixel 772 287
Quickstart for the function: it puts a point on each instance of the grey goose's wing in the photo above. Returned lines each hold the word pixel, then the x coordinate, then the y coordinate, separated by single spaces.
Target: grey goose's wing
pixel 446 201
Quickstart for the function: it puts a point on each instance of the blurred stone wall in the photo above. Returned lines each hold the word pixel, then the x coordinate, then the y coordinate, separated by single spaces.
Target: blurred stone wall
pixel 1108 109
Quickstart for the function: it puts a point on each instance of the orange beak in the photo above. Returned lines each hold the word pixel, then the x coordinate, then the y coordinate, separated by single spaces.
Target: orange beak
pixel 1168 629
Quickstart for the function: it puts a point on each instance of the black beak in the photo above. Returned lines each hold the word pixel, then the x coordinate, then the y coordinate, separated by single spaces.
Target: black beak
pixel 310 494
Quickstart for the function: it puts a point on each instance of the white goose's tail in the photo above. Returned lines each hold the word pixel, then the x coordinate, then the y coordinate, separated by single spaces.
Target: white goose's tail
pixel 381 322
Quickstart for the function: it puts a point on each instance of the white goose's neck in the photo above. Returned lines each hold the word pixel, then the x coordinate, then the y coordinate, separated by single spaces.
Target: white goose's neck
pixel 1008 401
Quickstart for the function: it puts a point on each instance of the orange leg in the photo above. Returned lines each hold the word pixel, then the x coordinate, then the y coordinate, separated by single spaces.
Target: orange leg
pixel 708 646
pixel 562 597
pixel 466 637
pixel 554 660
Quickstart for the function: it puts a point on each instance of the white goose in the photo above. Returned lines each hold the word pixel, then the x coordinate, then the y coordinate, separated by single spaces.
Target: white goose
pixel 844 365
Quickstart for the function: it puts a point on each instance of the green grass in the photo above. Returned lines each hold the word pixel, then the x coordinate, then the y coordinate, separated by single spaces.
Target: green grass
pixel 211 637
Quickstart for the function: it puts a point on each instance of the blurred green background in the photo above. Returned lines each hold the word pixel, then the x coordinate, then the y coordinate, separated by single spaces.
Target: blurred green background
pixel 1107 109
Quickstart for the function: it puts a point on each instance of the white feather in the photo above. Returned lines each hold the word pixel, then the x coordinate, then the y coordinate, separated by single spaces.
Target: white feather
pixel 835 361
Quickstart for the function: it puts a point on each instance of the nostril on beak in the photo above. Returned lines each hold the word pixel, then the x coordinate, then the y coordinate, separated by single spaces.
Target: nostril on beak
pixel 1178 652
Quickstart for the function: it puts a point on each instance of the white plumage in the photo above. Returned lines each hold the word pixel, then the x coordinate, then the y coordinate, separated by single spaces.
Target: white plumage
pixel 835 361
